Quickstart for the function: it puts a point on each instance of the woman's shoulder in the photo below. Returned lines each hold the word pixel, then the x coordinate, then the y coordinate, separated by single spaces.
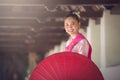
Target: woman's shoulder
pixel 83 41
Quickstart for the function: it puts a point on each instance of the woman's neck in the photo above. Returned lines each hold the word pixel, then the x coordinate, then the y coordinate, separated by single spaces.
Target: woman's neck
pixel 74 35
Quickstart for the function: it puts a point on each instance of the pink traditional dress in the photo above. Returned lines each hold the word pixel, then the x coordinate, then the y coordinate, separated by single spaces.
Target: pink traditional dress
pixel 80 45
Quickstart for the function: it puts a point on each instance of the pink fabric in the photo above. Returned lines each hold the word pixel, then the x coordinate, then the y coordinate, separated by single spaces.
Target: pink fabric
pixel 75 41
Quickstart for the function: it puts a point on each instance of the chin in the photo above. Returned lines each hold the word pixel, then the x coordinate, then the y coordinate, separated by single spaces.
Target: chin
pixel 71 33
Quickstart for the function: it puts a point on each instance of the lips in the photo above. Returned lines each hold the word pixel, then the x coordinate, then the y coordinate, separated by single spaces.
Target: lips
pixel 70 30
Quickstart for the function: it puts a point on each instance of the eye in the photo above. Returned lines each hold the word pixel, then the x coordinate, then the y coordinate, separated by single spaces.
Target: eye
pixel 66 24
pixel 72 23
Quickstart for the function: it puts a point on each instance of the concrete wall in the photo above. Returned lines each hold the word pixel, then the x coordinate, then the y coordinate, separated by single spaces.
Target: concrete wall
pixel 95 41
pixel 112 29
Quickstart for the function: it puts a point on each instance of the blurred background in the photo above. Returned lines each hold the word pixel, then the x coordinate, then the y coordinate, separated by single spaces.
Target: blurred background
pixel 31 30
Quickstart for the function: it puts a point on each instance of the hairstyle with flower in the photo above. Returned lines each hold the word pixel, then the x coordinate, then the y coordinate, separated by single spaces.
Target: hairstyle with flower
pixel 75 15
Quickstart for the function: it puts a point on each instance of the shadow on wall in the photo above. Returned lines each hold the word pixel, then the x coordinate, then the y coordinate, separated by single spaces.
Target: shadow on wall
pixel 13 66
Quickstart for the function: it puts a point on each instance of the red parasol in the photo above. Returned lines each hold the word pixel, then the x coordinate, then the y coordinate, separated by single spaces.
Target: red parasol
pixel 66 66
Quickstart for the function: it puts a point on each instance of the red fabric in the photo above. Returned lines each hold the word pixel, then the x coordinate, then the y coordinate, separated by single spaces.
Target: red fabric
pixel 62 66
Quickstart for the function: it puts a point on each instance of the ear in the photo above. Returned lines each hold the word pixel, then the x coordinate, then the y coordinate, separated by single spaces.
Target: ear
pixel 79 23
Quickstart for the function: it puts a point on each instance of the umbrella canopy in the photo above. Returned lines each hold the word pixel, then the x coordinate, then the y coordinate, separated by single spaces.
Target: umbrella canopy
pixel 66 66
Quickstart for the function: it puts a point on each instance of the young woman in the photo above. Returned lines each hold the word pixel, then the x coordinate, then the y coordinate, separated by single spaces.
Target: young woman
pixel 77 42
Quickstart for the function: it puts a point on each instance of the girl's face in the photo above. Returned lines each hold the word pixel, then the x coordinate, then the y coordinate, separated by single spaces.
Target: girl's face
pixel 71 26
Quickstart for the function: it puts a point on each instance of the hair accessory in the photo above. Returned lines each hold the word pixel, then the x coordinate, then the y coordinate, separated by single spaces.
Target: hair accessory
pixel 77 13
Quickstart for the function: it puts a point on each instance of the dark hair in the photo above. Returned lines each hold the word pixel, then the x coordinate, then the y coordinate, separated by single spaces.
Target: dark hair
pixel 74 14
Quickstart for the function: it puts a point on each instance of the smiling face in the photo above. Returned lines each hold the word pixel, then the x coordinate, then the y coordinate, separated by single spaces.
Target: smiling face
pixel 71 26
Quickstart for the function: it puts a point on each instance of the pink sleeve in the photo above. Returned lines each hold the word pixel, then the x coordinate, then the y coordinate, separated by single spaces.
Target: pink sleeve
pixel 82 47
